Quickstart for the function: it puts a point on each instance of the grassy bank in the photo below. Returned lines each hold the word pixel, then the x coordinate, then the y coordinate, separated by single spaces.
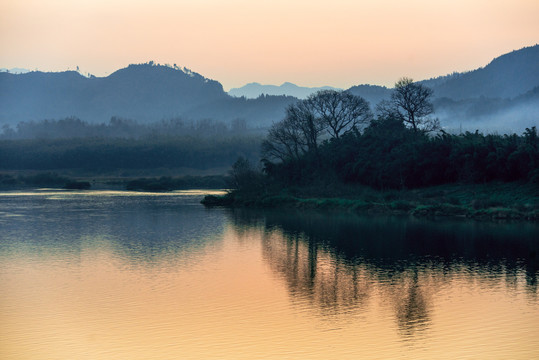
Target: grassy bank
pixel 497 201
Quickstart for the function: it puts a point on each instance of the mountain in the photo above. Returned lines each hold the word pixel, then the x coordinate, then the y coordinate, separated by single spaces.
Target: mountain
pixel 501 95
pixel 372 93
pixel 506 76
pixel 143 92
pixel 254 90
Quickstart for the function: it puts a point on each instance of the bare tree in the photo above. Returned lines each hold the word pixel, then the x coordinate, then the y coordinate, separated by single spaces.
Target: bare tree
pixel 340 111
pixel 302 117
pixel 308 120
pixel 296 135
pixel 284 141
pixel 411 103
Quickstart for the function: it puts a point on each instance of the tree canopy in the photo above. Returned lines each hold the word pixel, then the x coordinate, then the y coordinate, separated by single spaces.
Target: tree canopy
pixel 327 114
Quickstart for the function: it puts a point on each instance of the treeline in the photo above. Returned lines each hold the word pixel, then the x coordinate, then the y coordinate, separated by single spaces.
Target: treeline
pixel 117 127
pixel 108 154
pixel 45 179
pixel 333 138
pixel 163 183
pixel 390 155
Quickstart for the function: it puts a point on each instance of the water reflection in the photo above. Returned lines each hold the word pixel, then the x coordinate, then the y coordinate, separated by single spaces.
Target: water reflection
pixel 159 276
pixel 140 229
pixel 339 262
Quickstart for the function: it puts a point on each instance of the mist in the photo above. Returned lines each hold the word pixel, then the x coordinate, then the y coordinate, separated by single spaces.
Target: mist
pixel 507 121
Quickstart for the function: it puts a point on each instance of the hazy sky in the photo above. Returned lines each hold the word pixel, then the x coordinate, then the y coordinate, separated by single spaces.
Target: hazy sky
pixel 308 42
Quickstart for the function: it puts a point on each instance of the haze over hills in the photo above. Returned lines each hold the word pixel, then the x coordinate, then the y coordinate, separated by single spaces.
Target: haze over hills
pixel 502 96
pixel 254 90
pixel 507 76
pixel 143 92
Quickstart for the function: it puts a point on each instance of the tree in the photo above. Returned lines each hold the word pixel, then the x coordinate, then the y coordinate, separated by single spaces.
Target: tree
pixel 340 111
pixel 410 103
pixel 294 136
pixel 285 141
pixel 306 121
pixel 245 177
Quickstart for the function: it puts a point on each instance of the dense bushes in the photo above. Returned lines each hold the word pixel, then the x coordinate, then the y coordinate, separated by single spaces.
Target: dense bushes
pixel 389 155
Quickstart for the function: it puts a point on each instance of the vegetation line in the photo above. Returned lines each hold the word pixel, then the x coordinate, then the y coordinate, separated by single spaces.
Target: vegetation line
pixel 329 149
pixel 494 201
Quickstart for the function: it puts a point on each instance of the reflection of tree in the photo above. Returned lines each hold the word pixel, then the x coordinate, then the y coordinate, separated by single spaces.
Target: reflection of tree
pixel 339 263
pixel 315 274
pixel 411 304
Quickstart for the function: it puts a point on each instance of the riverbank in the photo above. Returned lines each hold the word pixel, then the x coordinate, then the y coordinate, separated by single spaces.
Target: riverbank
pixel 495 201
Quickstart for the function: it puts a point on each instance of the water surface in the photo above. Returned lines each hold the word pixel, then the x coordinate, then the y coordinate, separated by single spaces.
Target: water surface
pixel 122 275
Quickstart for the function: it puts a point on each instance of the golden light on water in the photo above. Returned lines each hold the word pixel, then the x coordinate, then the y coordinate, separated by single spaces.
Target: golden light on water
pixel 250 294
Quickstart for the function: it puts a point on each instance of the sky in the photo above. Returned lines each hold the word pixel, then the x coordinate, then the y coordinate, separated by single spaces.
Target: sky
pixel 338 43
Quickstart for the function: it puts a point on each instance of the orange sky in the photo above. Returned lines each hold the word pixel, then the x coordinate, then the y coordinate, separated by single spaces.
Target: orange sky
pixel 311 43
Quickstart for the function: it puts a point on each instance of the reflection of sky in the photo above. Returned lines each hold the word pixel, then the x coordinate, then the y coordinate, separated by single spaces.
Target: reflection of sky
pixel 136 226
pixel 141 276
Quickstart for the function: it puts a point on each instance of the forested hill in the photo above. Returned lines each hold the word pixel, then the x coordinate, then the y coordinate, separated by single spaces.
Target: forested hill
pixel 506 77
pixel 498 97
pixel 144 92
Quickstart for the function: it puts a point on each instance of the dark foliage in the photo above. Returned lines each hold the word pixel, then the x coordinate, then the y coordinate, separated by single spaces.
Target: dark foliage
pixel 390 155
pixel 73 127
pixel 45 179
pixel 103 154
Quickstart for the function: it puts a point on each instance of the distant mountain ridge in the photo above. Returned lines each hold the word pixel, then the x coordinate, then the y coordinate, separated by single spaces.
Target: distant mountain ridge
pixel 143 92
pixel 150 92
pixel 507 76
pixel 254 90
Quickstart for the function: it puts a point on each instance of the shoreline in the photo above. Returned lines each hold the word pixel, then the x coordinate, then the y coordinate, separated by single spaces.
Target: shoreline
pixel 496 202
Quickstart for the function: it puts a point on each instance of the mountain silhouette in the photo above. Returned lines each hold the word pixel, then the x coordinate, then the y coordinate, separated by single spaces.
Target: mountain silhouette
pixel 506 76
pixel 144 92
pixel 150 92
pixel 254 90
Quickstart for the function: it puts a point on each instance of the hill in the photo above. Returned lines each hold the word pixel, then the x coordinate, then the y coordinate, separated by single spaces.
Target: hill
pixel 143 92
pixel 372 93
pixel 497 97
pixel 507 76
pixel 254 90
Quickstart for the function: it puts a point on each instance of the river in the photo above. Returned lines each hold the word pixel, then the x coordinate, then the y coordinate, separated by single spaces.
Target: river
pixel 130 275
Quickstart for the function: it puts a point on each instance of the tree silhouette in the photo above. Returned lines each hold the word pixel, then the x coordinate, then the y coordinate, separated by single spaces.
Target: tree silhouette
pixel 306 122
pixel 340 111
pixel 411 103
